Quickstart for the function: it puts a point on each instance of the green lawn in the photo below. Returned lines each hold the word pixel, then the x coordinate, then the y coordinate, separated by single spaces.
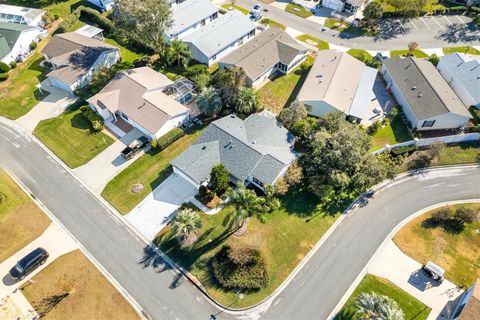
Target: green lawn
pixel 126 54
pixel 336 24
pixel 58 7
pixel 298 10
pixel 320 44
pixel 19 94
pixel 412 308
pixel 283 241
pixel 273 24
pixel 150 170
pixel 229 6
pixel 466 50
pixel 70 137
pixel 360 54
pixel 394 132
pixel 281 91
pixel 417 53
pixel 457 252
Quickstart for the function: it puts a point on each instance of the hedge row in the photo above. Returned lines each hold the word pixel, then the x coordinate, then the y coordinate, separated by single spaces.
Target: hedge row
pixel 95 120
pixel 403 150
pixel 168 138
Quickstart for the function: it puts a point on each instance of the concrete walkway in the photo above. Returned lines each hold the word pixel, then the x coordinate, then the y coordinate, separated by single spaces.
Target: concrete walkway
pixel 51 106
pixel 394 265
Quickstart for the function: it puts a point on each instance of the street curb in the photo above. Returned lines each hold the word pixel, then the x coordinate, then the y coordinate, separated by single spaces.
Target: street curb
pixel 405 221
pixel 102 270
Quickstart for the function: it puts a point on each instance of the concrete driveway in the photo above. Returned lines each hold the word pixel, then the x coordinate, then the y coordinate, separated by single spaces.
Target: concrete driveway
pixel 394 265
pixel 100 170
pixel 159 207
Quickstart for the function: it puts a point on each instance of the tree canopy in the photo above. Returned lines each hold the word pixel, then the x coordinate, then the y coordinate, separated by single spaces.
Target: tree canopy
pixel 228 83
pixel 219 178
pixel 209 102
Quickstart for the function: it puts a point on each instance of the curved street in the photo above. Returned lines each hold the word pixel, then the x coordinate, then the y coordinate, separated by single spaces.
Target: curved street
pixel 312 294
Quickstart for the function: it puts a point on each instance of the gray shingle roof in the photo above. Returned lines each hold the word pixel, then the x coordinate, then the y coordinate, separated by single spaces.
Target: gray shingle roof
pixel 220 33
pixel 466 70
pixel 425 90
pixel 267 49
pixel 257 146
pixel 189 13
pixel 9 34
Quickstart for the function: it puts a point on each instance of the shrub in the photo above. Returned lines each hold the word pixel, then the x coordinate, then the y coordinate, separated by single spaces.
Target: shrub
pixel 441 216
pixel 202 191
pixel 398 151
pixel 238 267
pixel 68 21
pixel 465 215
pixel 95 120
pixel 434 59
pixel 4 67
pixel 93 15
pixel 153 143
pixel 377 125
pixel 219 178
pixel 33 45
pixel 195 70
pixel 3 76
pixel 169 138
pixel 13 64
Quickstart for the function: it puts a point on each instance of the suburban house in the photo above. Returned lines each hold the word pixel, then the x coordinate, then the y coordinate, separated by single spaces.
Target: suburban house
pixel 104 5
pixel 257 151
pixel 189 16
pixel 273 51
pixel 463 75
pixel 74 59
pixel 468 304
pixel 346 6
pixel 15 40
pixel 424 95
pixel 21 15
pixel 139 98
pixel 220 37
pixel 338 82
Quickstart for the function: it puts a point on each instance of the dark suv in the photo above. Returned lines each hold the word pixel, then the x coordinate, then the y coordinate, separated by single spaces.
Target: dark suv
pixel 28 263
pixel 134 147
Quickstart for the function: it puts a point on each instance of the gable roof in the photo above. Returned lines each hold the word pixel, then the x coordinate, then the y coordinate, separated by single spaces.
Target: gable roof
pixel 75 53
pixel 189 13
pixel 16 14
pixel 257 146
pixel 340 80
pixel 220 33
pixel 138 94
pixel 425 90
pixel 466 70
pixel 9 34
pixel 268 48
pixel 472 307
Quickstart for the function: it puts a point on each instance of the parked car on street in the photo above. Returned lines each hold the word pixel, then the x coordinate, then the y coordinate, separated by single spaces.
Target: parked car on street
pixel 254 17
pixel 256 9
pixel 134 147
pixel 28 263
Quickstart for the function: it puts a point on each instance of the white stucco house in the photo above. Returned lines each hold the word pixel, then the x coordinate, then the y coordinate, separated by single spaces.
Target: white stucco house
pixel 221 36
pixel 467 306
pixel 424 95
pixel 462 72
pixel 21 15
pixel 74 58
pixel 141 98
pixel 272 52
pixel 15 40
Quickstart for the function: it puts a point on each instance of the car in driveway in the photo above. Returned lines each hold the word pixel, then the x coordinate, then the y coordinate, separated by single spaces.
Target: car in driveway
pixel 134 147
pixel 254 17
pixel 256 9
pixel 28 263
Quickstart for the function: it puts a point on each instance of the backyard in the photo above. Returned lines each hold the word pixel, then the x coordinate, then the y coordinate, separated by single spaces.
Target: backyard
pixel 411 307
pixel 70 136
pixel 283 241
pixel 392 133
pixel 458 252
pixel 21 221
pixel 78 291
pixel 150 170
pixel 282 90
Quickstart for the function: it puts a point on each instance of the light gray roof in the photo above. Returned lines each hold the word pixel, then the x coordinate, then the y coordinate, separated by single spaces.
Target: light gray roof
pixel 9 34
pixel 466 70
pixel 257 146
pixel 189 13
pixel 16 14
pixel 267 49
pixel 220 33
pixel 425 90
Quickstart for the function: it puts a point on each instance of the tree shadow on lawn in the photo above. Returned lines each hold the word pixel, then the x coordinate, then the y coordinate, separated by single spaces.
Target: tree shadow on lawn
pixel 162 175
pixel 303 75
pixel 78 121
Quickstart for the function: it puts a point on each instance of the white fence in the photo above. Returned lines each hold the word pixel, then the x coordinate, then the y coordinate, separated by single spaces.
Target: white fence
pixel 429 141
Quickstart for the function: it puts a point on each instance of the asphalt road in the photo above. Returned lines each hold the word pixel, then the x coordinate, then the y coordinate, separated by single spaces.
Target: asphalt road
pixel 312 294
pixel 396 34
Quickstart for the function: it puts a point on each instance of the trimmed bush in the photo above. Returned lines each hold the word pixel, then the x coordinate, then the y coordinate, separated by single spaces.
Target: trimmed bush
pixel 13 64
pixel 95 120
pixel 33 45
pixel 238 267
pixel 4 67
pixel 69 21
pixel 3 76
pixel 169 138
pixel 398 151
pixel 93 15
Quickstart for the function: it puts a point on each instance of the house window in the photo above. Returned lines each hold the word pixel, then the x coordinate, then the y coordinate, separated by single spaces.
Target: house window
pixel 257 182
pixel 428 124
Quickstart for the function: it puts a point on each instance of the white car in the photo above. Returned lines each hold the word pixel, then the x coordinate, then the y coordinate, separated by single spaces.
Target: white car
pixel 256 9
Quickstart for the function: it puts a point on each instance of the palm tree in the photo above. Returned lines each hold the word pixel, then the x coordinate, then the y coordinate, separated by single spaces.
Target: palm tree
pixel 246 204
pixel 375 306
pixel 247 101
pixel 209 101
pixel 178 51
pixel 186 224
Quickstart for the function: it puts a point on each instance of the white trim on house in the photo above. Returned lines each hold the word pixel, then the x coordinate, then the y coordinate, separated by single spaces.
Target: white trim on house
pixel 21 49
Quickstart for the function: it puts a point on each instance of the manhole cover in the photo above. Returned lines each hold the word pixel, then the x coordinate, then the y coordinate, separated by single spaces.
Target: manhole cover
pixel 136 188
pixel 311 42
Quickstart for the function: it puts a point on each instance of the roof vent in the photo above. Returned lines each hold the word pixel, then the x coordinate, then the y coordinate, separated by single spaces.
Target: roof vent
pixel 253 142
pixel 414 87
pixel 204 147
pixel 419 94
